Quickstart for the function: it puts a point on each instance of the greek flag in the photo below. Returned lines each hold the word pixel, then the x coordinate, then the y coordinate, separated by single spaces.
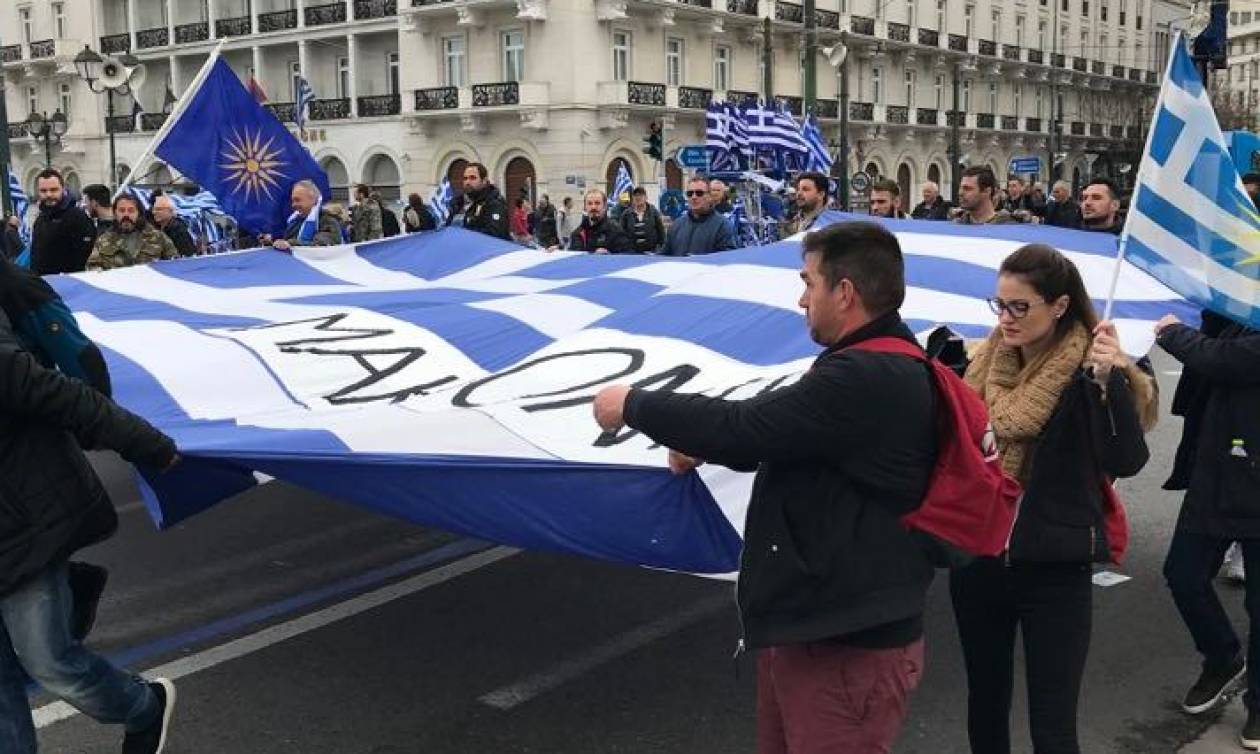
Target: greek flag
pixel 305 96
pixel 199 212
pixel 440 202
pixel 622 184
pixel 819 158
pixel 1191 223
pixel 310 223
pixel 739 143
pixel 21 204
pixel 717 137
pixel 445 378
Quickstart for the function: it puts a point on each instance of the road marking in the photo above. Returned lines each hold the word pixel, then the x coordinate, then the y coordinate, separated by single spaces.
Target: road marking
pixel 1173 372
pixel 518 693
pixel 246 645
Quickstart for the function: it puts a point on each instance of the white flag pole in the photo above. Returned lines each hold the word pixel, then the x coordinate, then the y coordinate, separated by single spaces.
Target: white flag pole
pixel 176 113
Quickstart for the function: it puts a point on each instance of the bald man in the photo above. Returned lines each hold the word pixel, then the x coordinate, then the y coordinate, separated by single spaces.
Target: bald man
pixel 167 220
pixel 933 207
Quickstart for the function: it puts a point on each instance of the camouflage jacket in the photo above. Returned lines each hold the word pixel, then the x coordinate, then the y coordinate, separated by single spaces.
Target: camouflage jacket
pixel 111 252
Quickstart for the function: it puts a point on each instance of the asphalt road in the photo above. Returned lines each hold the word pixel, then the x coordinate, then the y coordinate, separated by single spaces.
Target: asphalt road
pixel 298 625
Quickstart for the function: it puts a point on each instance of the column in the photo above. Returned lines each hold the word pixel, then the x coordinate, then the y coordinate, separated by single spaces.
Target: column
pixel 301 14
pixel 258 68
pixel 253 17
pixel 131 22
pixel 170 21
pixel 177 78
pixel 302 58
pixel 352 47
pixel 211 17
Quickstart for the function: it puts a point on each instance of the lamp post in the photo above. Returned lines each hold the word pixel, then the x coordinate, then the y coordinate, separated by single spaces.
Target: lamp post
pixel 109 76
pixel 48 130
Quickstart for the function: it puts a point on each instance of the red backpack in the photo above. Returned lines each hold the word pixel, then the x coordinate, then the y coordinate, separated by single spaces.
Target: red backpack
pixel 969 507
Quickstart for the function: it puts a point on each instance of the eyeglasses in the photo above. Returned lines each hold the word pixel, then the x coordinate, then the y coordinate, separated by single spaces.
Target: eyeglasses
pixel 1017 309
pixel 698 192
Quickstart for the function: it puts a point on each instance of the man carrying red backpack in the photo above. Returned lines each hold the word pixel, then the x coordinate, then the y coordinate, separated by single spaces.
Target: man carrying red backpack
pixel 832 580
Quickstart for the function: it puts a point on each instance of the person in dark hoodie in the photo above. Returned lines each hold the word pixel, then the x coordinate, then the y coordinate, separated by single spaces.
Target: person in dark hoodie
pixel 831 584
pixel 481 207
pixel 62 237
pixel 598 232
pixel 699 230
pixel 1100 207
pixel 642 222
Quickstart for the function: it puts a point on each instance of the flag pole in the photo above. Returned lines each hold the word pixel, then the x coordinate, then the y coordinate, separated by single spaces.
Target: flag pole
pixel 182 104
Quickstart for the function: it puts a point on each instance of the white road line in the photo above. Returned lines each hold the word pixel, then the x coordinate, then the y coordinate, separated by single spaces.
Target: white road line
pixel 1173 372
pixel 246 645
pixel 516 694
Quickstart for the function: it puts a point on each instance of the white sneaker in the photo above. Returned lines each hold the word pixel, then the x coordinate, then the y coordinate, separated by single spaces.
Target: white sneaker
pixel 1234 565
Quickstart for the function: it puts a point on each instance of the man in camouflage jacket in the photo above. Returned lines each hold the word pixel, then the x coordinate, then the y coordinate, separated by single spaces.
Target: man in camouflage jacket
pixel 131 241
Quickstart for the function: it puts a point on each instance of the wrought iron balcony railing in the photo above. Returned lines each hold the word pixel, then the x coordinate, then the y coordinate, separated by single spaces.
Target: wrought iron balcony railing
pixel 794 105
pixel 277 20
pixel 957 43
pixel 897 115
pixel 379 105
pixel 742 7
pixel 45 48
pixel 987 47
pixel 114 44
pixel 285 112
pixel 366 9
pixel 320 15
pixel 1010 123
pixel 827 108
pixel 826 19
pixel 152 121
pixel 926 116
pixel 120 124
pixel 194 32
pixel 984 120
pixel 640 93
pixel 1010 52
pixel 233 27
pixel 861 111
pixel 862 25
pixel 12 53
pixel 147 38
pixel 898 32
pixel 694 98
pixel 1035 56
pixel 495 95
pixel 437 98
pixel 330 109
pixel 790 12
pixel 930 37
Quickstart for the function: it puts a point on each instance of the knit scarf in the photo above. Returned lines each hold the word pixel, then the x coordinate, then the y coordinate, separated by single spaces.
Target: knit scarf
pixel 1021 398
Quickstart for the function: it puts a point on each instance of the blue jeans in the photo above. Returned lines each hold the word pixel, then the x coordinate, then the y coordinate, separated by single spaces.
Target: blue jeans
pixel 35 640
pixel 1192 564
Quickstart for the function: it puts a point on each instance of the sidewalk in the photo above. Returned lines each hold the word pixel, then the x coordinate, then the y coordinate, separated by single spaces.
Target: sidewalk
pixel 1223 736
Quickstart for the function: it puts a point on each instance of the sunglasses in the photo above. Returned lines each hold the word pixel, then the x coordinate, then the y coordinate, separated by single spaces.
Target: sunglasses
pixel 700 192
pixel 1017 309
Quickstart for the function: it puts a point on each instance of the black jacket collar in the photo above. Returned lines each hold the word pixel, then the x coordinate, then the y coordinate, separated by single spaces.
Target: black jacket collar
pixel 886 325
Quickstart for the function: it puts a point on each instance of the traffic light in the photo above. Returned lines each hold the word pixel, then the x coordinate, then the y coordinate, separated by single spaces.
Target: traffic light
pixel 652 142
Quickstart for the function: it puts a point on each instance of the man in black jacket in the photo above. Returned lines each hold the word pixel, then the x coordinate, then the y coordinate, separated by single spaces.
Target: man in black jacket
pixel 933 207
pixel 642 223
pixel 63 234
pixel 831 584
pixel 1217 465
pixel 63 507
pixel 1100 207
pixel 1062 210
pixel 168 221
pixel 598 233
pixel 481 207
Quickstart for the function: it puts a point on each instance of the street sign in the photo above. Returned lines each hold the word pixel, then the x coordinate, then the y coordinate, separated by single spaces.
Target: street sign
pixel 1026 165
pixel 694 156
pixel 860 182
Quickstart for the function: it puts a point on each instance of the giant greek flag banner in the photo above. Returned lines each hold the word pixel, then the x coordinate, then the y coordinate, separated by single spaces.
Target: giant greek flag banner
pixel 446 378
pixel 1191 223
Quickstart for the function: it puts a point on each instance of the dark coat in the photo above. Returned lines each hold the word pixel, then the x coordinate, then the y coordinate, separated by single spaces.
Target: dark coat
pixel 1219 396
pixel 937 211
pixel 418 219
pixel 11 242
pixel 484 211
pixel 61 239
pixel 547 231
pixel 177 231
pixel 51 501
pixel 606 234
pixel 699 235
pixel 1063 214
pixel 647 234
pixel 840 455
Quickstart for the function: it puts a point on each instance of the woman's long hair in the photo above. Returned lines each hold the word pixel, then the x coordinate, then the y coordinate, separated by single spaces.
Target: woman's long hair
pixel 1053 275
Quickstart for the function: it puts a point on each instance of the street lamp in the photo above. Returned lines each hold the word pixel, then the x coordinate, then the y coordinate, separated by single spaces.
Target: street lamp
pixel 109 76
pixel 48 130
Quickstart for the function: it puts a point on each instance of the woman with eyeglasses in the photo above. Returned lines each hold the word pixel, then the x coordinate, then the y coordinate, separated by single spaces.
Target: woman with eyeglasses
pixel 1069 412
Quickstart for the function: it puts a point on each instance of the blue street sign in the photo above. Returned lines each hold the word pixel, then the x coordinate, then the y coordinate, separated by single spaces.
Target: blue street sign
pixel 694 156
pixel 1030 164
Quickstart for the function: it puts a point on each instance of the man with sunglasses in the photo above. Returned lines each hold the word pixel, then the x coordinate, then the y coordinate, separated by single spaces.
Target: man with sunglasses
pixel 699 230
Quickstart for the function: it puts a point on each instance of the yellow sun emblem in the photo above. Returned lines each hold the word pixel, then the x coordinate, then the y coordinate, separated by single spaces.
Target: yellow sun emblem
pixel 1252 236
pixel 252 166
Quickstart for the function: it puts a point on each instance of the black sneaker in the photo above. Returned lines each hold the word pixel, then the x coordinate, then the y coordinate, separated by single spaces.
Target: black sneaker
pixel 87 584
pixel 152 740
pixel 1249 737
pixel 1213 685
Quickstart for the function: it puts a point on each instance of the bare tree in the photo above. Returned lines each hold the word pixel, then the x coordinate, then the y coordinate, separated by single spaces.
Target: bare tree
pixel 1233 111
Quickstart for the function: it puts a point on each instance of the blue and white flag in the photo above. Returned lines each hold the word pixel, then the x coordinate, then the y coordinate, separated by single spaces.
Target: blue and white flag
pixel 200 212
pixel 310 223
pixel 819 156
pixel 1191 223
pixel 440 201
pixel 305 96
pixel 717 137
pixel 446 378
pixel 21 204
pixel 622 184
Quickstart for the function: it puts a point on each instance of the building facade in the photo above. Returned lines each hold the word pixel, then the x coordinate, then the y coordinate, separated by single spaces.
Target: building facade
pixel 1240 81
pixel 552 94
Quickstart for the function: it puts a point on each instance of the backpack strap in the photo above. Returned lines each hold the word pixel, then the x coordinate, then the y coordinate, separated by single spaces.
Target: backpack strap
pixel 888 344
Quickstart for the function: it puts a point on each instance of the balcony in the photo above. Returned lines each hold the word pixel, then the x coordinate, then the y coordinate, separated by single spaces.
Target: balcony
pixel 984 120
pixel 1133 132
pixel 926 116
pixel 507 93
pixel 152 121
pixel 957 43
pixel 1078 128
pixel 861 111
pixel 898 32
pixel 45 48
pixel 1116 132
pixel 18 130
pixel 148 38
pixel 987 48
pixel 1098 68
pixel 1117 71
pixel 789 12
pixel 367 9
pixel 115 44
pixel 693 98
pixel 379 105
pixel 827 108
pixel 1035 56
pixel 232 27
pixel 1010 52
pixel 1080 65
pixel 826 19
pixel 321 15
pixel 897 115
pixel 1058 60
pixel 862 25
pixel 437 98
pixel 1010 123
pixel 640 93
pixel 120 124
pixel 1135 75
pixel 742 7
pixel 929 37
pixel 794 105
pixel 1032 124
pixel 1152 77
pixel 1096 130
pixel 698 3
pixel 277 21
pixel 11 53
pixel 285 112
pixel 330 109
pixel 956 117
pixel 189 33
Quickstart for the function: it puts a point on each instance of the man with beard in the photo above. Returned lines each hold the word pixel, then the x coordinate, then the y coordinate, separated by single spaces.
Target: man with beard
pixel 598 233
pixel 98 206
pixel 166 219
pixel 700 229
pixel 481 207
pixel 1100 207
pixel 63 234
pixel 131 241
pixel 811 200
pixel 886 200
pixel 976 196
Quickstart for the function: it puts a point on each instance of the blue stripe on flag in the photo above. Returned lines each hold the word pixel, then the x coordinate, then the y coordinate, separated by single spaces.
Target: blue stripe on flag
pixel 1213 174
pixel 410 252
pixel 1182 73
pixel 119 307
pixel 491 340
pixel 1197 236
pixel 613 293
pixel 248 269
pixel 1168 128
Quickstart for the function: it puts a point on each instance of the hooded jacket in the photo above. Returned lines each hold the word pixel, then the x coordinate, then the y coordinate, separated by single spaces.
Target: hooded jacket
pixel 62 238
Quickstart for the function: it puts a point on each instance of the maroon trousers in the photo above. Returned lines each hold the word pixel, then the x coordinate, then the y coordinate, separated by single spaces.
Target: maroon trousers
pixel 828 698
